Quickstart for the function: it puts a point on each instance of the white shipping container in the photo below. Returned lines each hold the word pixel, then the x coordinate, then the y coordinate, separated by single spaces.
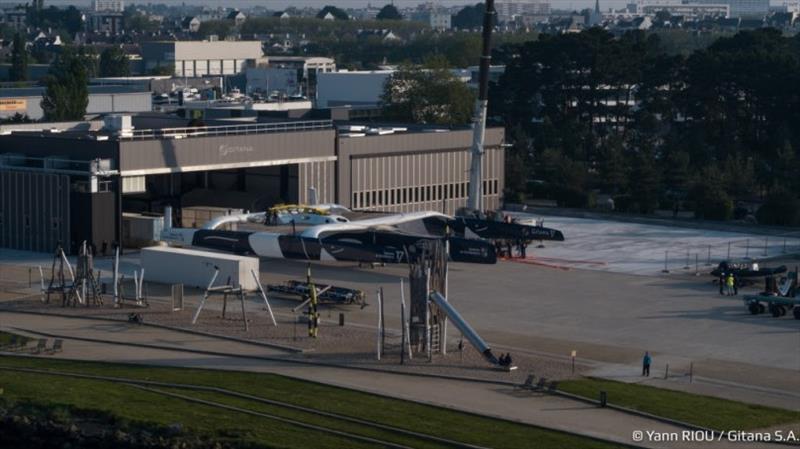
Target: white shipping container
pixel 194 268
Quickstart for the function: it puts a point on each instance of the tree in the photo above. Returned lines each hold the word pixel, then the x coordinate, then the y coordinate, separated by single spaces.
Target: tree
pixel 337 13
pixel 781 208
pixel 114 62
pixel 67 93
pixel 19 60
pixel 430 94
pixel 645 182
pixel 220 28
pixel 389 12
pixel 710 199
pixel 517 159
pixel 469 17
pixel 138 22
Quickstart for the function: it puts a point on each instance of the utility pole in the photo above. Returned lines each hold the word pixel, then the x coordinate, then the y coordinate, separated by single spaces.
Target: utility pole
pixel 475 200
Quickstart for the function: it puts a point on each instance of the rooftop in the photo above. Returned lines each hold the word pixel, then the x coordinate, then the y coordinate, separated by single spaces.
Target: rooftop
pixel 37 91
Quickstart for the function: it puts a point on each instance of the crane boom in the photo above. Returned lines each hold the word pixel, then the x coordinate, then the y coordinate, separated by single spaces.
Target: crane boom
pixel 475 199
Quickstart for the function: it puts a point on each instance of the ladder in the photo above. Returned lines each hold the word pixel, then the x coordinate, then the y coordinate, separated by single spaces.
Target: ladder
pixel 435 336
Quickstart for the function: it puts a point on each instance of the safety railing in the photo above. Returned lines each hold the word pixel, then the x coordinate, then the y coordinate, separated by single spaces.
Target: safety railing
pixel 226 130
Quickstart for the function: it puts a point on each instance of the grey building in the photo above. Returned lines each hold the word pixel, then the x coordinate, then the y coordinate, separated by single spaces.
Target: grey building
pixel 102 100
pixel 143 168
pixel 200 58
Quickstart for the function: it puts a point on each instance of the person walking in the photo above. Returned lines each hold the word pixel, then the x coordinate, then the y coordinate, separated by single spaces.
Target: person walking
pixel 646 361
pixel 729 284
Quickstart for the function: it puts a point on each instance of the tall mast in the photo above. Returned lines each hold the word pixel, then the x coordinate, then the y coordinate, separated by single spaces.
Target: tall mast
pixel 475 200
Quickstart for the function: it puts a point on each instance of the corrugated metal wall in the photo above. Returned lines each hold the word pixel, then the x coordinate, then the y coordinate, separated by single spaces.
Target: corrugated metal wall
pixel 34 210
pixel 422 181
pixel 320 175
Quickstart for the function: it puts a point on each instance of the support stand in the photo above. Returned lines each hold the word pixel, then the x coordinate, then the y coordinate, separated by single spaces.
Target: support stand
pixel 235 291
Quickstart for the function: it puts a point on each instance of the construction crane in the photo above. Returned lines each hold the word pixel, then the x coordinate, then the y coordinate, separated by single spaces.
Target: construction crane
pixel 475 200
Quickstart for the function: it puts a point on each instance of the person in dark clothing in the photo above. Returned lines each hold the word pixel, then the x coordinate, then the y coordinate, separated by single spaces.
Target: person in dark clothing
pixel 508 359
pixel 735 286
pixel 722 283
pixel 646 364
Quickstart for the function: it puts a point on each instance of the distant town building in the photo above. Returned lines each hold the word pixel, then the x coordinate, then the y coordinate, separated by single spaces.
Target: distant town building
pixel 15 18
pixel 439 20
pixel 106 22
pixel 363 89
pixel 683 8
pixel 595 17
pixel 270 80
pixel 105 17
pixel 309 66
pixel 742 8
pixel 508 10
pixel 356 88
pixel 199 58
pixel 308 69
pixel 108 5
pixel 383 34
pixel 190 24
pixel 237 17
pixel 791 6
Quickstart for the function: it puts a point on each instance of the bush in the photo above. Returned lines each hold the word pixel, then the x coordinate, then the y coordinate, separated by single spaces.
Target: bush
pixel 623 203
pixel 711 202
pixel 571 197
pixel 740 213
pixel 781 209
pixel 514 197
pixel 716 209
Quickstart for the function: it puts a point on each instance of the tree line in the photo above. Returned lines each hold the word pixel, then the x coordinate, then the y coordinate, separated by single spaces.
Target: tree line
pixel 591 114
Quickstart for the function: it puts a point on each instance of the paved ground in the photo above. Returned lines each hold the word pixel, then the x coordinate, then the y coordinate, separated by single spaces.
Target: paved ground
pixel 492 400
pixel 635 248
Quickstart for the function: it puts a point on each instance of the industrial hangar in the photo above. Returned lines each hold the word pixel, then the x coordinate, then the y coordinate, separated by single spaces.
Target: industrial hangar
pixel 74 184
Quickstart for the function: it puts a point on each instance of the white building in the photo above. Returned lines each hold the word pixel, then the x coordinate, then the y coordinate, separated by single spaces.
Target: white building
pixel 357 89
pixel 310 66
pixel 106 22
pixel 365 88
pixel 15 18
pixel 507 10
pixel 742 8
pixel 683 8
pixel 268 80
pixel 108 5
pixel 199 58
pixel 439 20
